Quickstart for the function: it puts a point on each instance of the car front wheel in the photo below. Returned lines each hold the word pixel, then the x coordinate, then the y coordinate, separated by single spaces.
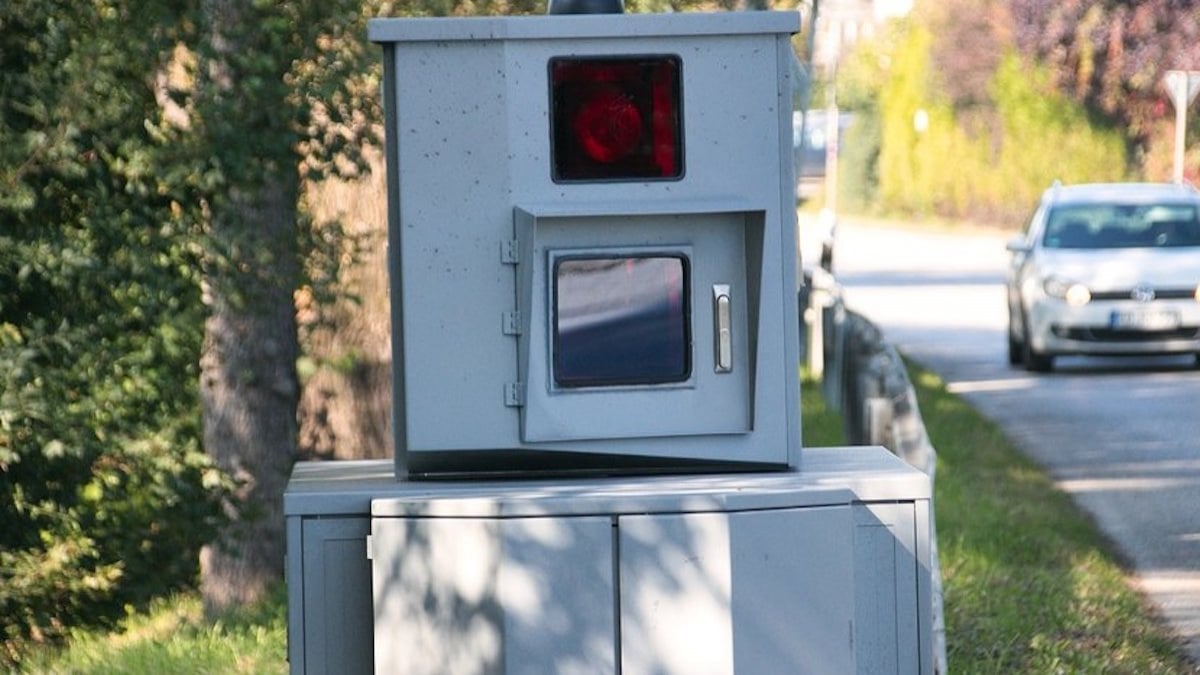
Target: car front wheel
pixel 1034 360
pixel 1038 362
pixel 1015 351
pixel 1016 345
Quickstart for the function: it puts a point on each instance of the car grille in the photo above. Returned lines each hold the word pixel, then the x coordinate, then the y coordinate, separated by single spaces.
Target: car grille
pixel 1109 335
pixel 1159 294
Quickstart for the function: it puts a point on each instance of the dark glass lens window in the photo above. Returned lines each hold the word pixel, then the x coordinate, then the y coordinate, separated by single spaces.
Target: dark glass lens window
pixel 621 320
pixel 616 118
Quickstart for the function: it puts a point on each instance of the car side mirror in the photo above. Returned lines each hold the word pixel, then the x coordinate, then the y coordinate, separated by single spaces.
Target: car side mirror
pixel 1019 245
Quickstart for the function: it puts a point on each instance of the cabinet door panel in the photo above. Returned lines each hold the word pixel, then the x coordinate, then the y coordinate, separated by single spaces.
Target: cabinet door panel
pixel 747 592
pixel 886 625
pixel 494 595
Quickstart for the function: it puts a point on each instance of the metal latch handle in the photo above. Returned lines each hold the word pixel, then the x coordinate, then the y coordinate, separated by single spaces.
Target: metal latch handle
pixel 722 329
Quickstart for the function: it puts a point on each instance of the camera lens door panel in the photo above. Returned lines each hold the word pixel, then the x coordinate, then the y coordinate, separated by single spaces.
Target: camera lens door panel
pixel 638 325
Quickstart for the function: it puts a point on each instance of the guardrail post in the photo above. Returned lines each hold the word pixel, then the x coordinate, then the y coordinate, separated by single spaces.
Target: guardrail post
pixel 823 295
pixel 864 379
pixel 877 421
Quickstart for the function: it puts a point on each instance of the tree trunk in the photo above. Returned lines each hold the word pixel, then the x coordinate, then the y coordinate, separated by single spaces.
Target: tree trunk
pixel 249 392
pixel 248 386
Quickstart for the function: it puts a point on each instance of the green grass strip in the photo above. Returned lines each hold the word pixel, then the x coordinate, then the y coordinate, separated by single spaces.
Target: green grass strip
pixel 821 427
pixel 173 637
pixel 1030 584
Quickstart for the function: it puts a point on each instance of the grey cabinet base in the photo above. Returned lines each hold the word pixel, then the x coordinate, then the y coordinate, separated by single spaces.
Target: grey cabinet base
pixel 822 570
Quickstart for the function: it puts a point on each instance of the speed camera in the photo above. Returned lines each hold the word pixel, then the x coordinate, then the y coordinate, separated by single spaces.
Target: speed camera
pixel 592 242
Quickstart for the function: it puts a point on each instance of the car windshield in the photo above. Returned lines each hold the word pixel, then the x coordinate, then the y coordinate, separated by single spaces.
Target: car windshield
pixel 1090 226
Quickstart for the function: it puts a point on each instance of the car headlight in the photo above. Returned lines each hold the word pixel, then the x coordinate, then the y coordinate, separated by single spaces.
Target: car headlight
pixel 1075 294
pixel 1197 293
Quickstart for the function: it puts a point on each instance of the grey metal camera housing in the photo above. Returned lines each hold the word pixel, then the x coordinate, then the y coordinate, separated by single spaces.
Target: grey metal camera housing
pixel 480 218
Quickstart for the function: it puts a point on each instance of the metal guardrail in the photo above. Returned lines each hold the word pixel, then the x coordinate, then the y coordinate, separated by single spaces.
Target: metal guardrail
pixel 864 379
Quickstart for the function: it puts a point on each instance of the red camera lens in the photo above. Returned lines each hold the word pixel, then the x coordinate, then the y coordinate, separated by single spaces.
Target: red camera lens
pixel 616 118
pixel 608 126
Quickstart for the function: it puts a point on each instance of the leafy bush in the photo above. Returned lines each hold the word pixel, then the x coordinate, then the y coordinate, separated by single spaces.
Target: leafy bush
pixel 943 153
pixel 1048 137
pixel 102 494
pixel 860 78
pixel 105 496
pixel 858 170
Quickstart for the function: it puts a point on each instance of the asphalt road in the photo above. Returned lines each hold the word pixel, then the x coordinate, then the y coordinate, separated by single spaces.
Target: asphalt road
pixel 1122 436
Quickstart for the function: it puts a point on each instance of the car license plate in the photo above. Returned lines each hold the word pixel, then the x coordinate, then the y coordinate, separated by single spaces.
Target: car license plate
pixel 1144 320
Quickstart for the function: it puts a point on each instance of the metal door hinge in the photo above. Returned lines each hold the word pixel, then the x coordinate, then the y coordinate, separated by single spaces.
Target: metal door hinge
pixel 511 323
pixel 510 253
pixel 514 394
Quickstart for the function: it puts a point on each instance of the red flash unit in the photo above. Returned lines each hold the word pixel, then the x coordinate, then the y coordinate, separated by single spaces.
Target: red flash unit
pixel 616 118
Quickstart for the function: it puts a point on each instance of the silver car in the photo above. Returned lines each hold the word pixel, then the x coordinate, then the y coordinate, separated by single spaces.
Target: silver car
pixel 1106 269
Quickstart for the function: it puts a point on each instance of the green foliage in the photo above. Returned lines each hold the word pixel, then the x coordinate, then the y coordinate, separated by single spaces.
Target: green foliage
pixel 1048 137
pixel 920 148
pixel 860 79
pixel 904 93
pixel 104 494
pixel 858 170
